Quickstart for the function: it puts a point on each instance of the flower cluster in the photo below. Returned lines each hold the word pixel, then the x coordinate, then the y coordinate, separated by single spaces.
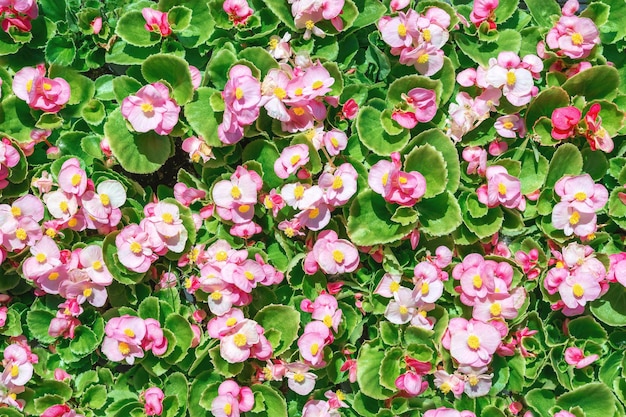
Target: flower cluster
pixel 307 14
pixel 240 338
pixel 396 186
pixel 580 199
pixel 18 14
pixel 573 36
pixel 41 93
pixel 151 108
pixel 127 337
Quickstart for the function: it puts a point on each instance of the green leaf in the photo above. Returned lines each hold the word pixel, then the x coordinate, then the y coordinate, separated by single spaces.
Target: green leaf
pixel 508 40
pixel 179 18
pixel 94 397
pixel 369 12
pixel 281 9
pixel 142 153
pixel 567 160
pixel 201 117
pixel 485 226
pixel 85 341
pixel 178 325
pixel 541 400
pixel 429 162
pixel 506 9
pixel 405 84
pixel 542 11
pixel 222 367
pixel 265 153
pixel 586 328
pixel 49 121
pixel 374 137
pixel 439 215
pixel 595 164
pixel 275 404
pixel 405 216
pixel 260 57
pixel 544 104
pixel 443 144
pixel 93 112
pixel 15 119
pixel 611 308
pixel 124 86
pixel 367 375
pixel 172 69
pixel 390 368
pixel 598 12
pixel 595 399
pixel 598 82
pixel 533 171
pixel 613 30
pixel 617 209
pixel 131 28
pixel 370 209
pixel 202 24
pixel 38 323
pixel 60 50
pixel 219 66
pixel 285 319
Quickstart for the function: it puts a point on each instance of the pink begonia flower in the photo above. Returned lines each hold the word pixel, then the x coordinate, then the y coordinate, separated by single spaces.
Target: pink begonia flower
pixel 403 307
pixel 484 11
pixel 474 342
pixel 123 337
pixel 187 195
pixel 424 106
pixel 501 189
pixel 311 343
pixel 279 48
pixel 578 289
pixel 573 37
pixel 291 158
pixel 477 160
pixel 133 248
pixel 396 186
pixel 570 8
pixel 153 398
pixel 510 126
pixel 596 135
pixel 448 412
pixel 563 413
pixel 197 149
pixel 350 109
pixel 45 257
pixel 335 141
pixel 582 191
pixel 574 356
pixel 477 381
pixel 72 178
pixel 299 379
pixel 96 25
pixel 319 408
pixel 411 382
pixel 427 283
pixel 151 108
pixel 516 82
pixel 92 260
pixel 41 93
pixel 235 346
pixel 60 410
pixel 274 90
pixel 564 122
pixel 61 375
pixel 497 147
pixel 242 97
pixel 339 186
pixel 427 59
pixel 104 204
pixel 449 383
pixel 61 205
pixel 333 255
pixel 156 21
pixel 18 369
pixel 238 11
pixel 168 225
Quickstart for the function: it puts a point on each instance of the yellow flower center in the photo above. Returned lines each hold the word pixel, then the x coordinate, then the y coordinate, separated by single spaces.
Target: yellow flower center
pixel 235 192
pixel 401 30
pixel 402 180
pixel 50 232
pixel 123 348
pixel 309 25
pixel 231 322
pixel 477 281
pixel 591 236
pixel 249 275
pixel 147 108
pixel 15 371
pixel 385 178
pixel 445 387
pixel 238 93
pixel 422 59
pixel 328 320
pixel 53 276
pixel 403 310
pixel 87 292
pixel 510 78
pixel 41 257
pixel 244 208
pixel 21 234
pixel 294 159
pixel 299 378
pixel 578 290
pixel 473 342
pixel 47 86
pixel 298 111
pixel 75 179
pixel 580 196
pixel 105 200
pixel 240 339
pixel 426 34
pixel 216 295
pixel 97 265
pixel 394 286
pixel 314 213
pixel 425 288
pixel 340 395
pixel 135 247
pixel 315 348
pixel 574 218
pixel 473 380
pixel 228 409
pixel 337 183
pixel 317 85
pixel 280 93
pixel 334 141
pixel 16 211
pixel 290 232
pixel 167 218
pixel 129 332
pixel 501 189
pixel 63 206
pixel 577 38
pixel 338 256
pixel 72 222
pixel 298 191
pixel 273 43
pixel 29 85
pixel 298 91
pixel 508 125
pixel 495 309
pixel 221 256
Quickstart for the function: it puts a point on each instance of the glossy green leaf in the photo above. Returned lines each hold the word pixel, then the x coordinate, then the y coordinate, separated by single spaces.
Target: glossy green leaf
pixel 172 69
pixel 611 307
pixel 93 112
pixel 274 403
pixel 599 82
pixel 567 160
pixel 374 137
pixel 596 400
pixel 368 377
pixel 132 31
pixel 439 215
pixel 429 162
pixel 508 40
pixel 390 367
pixel 544 104
pixel 60 50
pixel 443 144
pixel 543 11
pixel 283 318
pixel 179 18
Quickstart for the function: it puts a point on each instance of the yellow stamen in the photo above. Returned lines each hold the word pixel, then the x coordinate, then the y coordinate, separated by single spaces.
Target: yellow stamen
pixel 340 395
pixel 315 348
pixel 147 108
pixel 495 309
pixel 129 332
pixel 228 409
pixel 72 222
pixel 310 134
pixel 240 339
pixel 135 247
pixel 298 111
pixel 29 85
pixel 314 213
pixel 21 234
pixel 337 183
pixel 290 232
pixel 403 310
pixel 334 141
pixel 97 265
pixel 15 371
pixel 574 218
pixel 249 275
pixel 422 59
pixel 580 196
pixel 298 91
pixel 298 191
pixel 299 378
pixel 87 292
pixel 221 256
pixel 273 44
pixel 280 93
pixel 47 86
pixel 394 286
pixel 385 178
pixel 559 264
pixel 105 200
pixel 473 342
pixel 477 281
pixel 501 189
pixel 317 85
pixel 510 78
pixel 123 348
pixel 16 211
pixel 401 30
pixel 577 38
pixel 578 290
pixel 338 256
pixel 473 380
pixel 244 208
pixel 41 257
pixel 231 322
pixel 508 125
pixel 445 388
pixel 328 320
pixel 294 159
pixel 76 179
pixel 425 288
pixel 50 232
pixel 238 93
pixel 167 218
pixel 64 206
pixel 216 295
pixel 309 25
pixel 426 34
pixel 53 276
